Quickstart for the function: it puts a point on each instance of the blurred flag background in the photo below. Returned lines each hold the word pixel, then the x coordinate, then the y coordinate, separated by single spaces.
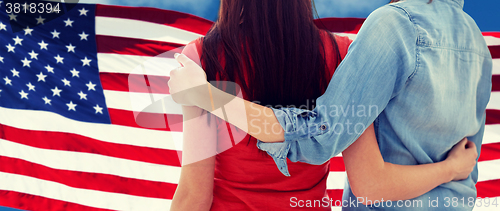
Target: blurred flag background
pixel 68 137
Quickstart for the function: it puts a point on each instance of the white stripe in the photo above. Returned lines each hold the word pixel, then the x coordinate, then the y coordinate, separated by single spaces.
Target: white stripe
pixel 490 207
pixel 490 40
pixel 336 180
pixel 494 101
pixel 351 36
pixel 91 163
pixel 130 64
pixel 48 121
pixel 488 170
pixel 142 102
pixel 491 134
pixel 496 66
pixel 119 27
pixel 92 198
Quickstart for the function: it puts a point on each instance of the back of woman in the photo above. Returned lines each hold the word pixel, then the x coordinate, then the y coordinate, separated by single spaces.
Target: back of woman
pixel 273 51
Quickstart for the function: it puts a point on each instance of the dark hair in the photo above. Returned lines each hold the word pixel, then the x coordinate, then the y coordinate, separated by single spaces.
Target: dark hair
pixel 271 48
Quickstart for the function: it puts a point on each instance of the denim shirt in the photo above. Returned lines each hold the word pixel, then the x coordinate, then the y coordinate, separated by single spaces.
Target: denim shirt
pixel 421 72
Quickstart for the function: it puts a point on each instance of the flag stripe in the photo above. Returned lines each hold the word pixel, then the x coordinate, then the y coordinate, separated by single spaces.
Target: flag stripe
pixel 490 152
pixel 496 66
pixel 488 188
pixel 24 201
pixel 337 164
pixel 154 121
pixel 492 116
pixel 91 163
pixel 91 198
pixel 129 28
pixel 100 182
pixel 78 143
pixel 495 83
pixel 141 102
pixel 495 51
pixel 130 46
pixel 494 102
pixel 491 134
pixel 175 19
pixel 131 64
pixel 135 83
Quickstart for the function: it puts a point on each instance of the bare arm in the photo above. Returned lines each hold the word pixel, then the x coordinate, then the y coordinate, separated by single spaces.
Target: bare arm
pixel 195 189
pixel 373 179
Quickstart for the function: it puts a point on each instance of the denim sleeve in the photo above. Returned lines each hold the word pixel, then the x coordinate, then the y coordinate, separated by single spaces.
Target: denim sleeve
pixel 380 62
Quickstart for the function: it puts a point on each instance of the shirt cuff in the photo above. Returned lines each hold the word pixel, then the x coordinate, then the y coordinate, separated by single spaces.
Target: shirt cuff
pixel 297 124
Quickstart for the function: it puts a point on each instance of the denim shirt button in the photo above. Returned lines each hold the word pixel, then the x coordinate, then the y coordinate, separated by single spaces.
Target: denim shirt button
pixel 322 127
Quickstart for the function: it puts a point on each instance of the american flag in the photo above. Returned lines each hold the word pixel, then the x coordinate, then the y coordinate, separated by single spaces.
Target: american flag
pixel 69 139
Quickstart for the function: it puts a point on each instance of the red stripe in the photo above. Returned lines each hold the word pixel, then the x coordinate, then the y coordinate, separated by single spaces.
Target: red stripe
pixel 343 25
pixel 78 143
pixel 337 164
pixel 490 188
pixel 493 34
pixel 165 17
pixel 490 152
pixel 139 47
pixel 492 116
pixel 91 181
pixel 135 83
pixel 164 122
pixel 495 51
pixel 335 194
pixel 38 203
pixel 495 82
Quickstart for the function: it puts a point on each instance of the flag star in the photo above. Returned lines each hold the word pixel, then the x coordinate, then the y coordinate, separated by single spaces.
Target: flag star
pixel 66 82
pixel 59 59
pixel 18 40
pixel 0 92
pixel 69 22
pixel 41 77
pixel 13 17
pixel 56 91
pixel 27 31
pixel 49 69
pixel 83 11
pixel 83 36
pixel 15 73
pixel 98 109
pixel 86 61
pixel 7 81
pixel 71 106
pixel 43 45
pixel 75 73
pixel 33 55
pixel 3 26
pixel 91 86
pixel 10 48
pixel 47 100
pixel 23 94
pixel 71 48
pixel 26 62
pixel 55 34
pixel 30 87
pixel 1 59
pixel 82 95
pixel 40 20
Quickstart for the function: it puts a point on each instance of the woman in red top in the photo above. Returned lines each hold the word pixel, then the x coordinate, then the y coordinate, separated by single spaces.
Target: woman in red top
pixel 275 53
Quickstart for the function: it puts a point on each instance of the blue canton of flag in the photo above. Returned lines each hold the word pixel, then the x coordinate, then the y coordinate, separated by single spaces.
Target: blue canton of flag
pixel 51 64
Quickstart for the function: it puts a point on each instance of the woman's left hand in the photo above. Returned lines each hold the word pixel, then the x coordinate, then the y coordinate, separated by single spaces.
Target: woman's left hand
pixel 187 82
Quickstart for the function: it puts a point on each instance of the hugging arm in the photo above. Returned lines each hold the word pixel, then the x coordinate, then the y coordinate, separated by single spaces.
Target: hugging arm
pixel 373 179
pixel 195 189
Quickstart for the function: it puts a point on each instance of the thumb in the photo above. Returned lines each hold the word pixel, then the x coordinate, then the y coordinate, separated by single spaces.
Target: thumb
pixel 183 59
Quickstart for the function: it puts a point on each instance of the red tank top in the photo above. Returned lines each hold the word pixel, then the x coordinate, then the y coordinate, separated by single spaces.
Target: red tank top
pixel 248 179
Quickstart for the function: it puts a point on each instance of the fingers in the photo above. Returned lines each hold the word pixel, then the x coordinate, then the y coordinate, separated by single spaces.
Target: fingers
pixel 183 59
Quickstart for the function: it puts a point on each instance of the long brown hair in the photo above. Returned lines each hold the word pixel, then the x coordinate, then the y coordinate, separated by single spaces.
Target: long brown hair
pixel 271 48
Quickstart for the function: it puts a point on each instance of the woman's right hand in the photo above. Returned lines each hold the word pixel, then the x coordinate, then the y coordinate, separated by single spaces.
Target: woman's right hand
pixel 462 159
